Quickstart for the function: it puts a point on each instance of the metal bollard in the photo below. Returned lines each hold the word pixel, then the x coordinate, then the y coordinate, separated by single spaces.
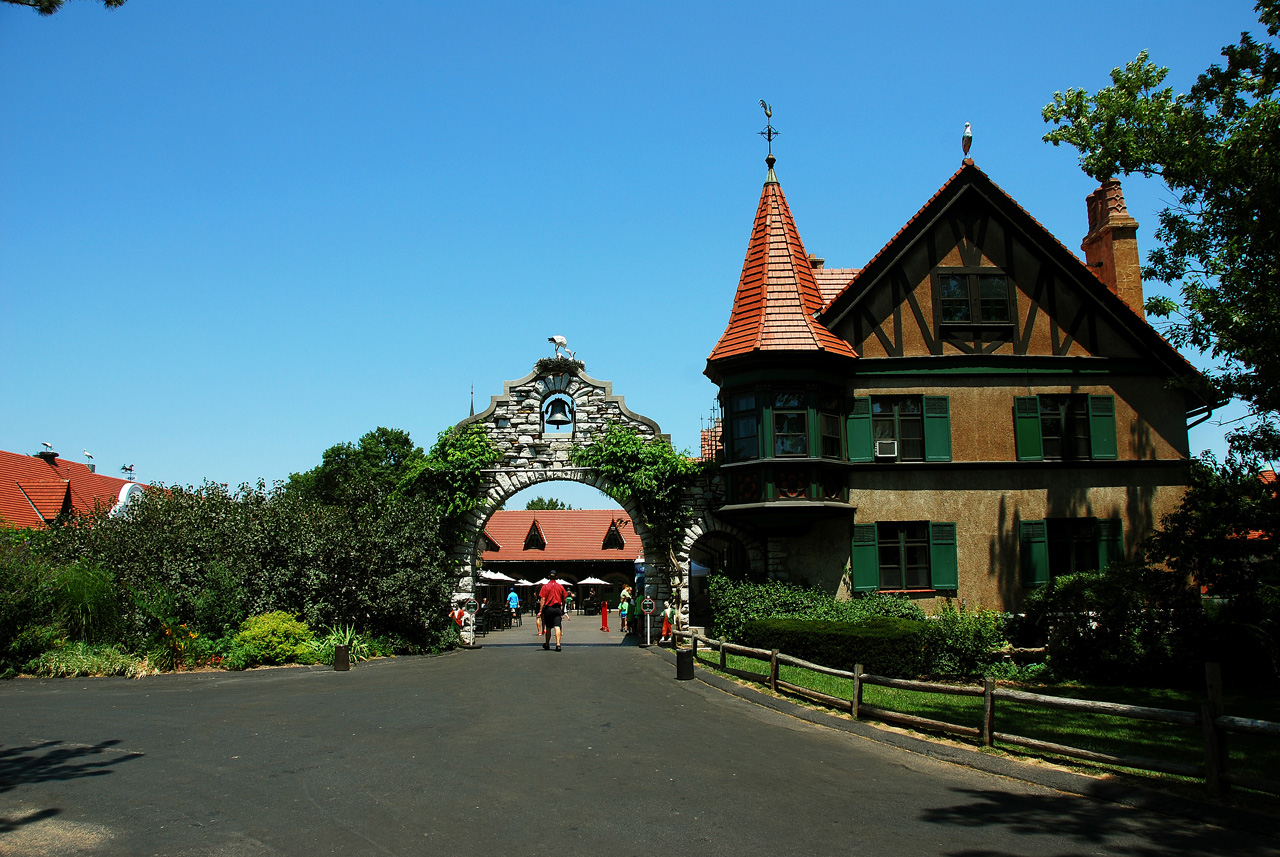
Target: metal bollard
pixel 684 664
pixel 341 658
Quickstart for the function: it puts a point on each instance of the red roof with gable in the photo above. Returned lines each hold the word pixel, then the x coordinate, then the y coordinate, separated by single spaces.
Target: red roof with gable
pixel 33 490
pixel 572 535
pixel 778 294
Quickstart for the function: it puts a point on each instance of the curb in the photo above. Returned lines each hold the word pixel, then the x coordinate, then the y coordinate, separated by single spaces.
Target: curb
pixel 1136 797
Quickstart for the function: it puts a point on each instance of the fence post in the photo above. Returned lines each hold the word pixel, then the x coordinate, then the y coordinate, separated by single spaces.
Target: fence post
pixel 988 711
pixel 856 702
pixel 1215 742
pixel 722 658
pixel 773 671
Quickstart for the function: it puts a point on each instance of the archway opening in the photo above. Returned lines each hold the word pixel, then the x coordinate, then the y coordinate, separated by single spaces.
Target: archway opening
pixel 713 554
pixel 570 527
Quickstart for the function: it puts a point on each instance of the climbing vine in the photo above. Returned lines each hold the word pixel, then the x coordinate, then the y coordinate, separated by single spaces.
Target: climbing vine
pixel 649 476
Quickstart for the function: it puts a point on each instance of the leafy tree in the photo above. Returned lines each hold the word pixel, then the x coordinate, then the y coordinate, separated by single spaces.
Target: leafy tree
pixel 48 7
pixel 1217 148
pixel 450 474
pixel 1223 529
pixel 353 474
pixel 650 476
pixel 543 504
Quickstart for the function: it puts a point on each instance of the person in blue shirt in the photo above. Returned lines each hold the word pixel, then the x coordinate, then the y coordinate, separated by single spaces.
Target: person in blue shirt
pixel 513 602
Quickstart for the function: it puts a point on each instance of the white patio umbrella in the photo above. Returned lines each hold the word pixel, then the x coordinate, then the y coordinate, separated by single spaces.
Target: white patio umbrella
pixel 593 581
pixel 496 576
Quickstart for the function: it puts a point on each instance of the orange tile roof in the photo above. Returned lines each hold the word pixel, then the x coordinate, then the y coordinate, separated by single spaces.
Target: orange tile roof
pixel 777 293
pixel 831 281
pixel 572 535
pixel 33 490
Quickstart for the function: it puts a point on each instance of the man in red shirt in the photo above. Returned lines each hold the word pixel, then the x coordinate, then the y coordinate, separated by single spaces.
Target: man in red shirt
pixel 552 595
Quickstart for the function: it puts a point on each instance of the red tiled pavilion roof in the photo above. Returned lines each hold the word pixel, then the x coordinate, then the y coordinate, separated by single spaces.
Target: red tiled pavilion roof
pixel 33 490
pixel 572 535
pixel 777 292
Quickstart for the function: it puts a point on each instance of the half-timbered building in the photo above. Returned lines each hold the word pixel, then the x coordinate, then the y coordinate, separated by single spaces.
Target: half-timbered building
pixel 974 410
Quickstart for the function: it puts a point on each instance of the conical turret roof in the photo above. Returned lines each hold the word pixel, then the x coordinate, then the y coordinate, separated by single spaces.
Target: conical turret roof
pixel 777 295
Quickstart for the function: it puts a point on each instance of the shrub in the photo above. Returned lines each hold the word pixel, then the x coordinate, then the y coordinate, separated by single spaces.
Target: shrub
pixel 961 642
pixel 735 603
pixel 883 645
pixel 359 647
pixel 85 659
pixel 1127 623
pixel 274 638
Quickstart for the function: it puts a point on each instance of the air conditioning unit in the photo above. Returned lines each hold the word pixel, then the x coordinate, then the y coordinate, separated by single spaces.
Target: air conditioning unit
pixel 886 449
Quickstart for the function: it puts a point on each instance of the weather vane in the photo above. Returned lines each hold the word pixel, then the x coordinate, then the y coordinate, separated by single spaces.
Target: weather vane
pixel 769 131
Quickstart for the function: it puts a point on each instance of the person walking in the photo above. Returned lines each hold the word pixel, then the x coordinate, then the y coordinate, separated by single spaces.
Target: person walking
pixel 624 608
pixel 552 595
pixel 513 604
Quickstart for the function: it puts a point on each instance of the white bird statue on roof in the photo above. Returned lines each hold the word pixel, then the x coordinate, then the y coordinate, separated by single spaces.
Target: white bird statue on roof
pixel 966 139
pixel 47 445
pixel 560 343
pixel 88 454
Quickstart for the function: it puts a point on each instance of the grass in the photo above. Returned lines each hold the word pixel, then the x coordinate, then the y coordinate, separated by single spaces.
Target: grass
pixel 1254 755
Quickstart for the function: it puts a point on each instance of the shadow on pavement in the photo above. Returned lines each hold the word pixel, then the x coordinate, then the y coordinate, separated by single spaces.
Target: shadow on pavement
pixel 1095 828
pixel 52 760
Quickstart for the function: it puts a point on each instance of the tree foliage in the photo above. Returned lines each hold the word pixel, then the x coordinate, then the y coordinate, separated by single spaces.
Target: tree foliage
pixel 545 504
pixel 451 474
pixel 1217 148
pixel 48 7
pixel 354 474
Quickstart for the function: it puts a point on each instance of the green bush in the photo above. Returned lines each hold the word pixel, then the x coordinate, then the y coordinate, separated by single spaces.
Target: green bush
pixel 734 603
pixel 85 659
pixel 961 642
pixel 1127 623
pixel 274 638
pixel 883 645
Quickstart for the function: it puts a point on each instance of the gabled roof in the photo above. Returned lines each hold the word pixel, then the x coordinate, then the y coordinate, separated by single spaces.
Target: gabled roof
pixel 777 297
pixel 970 179
pixel 34 490
pixel 572 535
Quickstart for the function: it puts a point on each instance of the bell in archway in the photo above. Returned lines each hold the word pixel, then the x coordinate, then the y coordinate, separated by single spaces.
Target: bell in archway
pixel 559 414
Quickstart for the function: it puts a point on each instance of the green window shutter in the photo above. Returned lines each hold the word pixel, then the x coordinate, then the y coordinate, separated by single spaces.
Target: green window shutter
pixel 858 429
pixel 1110 541
pixel 937 428
pixel 943 567
pixel 1033 554
pixel 865 559
pixel 1026 423
pixel 1102 427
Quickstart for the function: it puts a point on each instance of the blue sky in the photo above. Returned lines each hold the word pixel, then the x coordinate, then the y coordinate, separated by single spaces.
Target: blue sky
pixel 233 234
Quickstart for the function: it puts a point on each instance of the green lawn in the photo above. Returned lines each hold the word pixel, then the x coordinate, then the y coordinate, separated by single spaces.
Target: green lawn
pixel 1249 754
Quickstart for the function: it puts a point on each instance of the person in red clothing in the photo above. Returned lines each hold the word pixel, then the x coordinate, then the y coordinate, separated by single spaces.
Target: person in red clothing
pixel 552 595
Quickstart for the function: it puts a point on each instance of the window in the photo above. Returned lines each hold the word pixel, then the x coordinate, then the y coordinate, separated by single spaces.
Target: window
pixel 613 539
pixel 904 555
pixel 901 419
pixel 1057 546
pixel 533 540
pixel 790 425
pixel 745 427
pixel 974 297
pixel 919 426
pixel 1072 427
pixel 829 427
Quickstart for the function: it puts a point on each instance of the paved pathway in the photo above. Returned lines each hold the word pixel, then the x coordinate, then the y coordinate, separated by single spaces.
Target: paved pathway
pixel 596 750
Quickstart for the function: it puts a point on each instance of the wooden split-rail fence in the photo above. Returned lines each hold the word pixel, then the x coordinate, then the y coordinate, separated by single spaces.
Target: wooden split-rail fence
pixel 1214 724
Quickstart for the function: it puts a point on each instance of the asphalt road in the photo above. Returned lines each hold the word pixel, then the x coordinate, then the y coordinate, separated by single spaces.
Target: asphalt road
pixel 596 750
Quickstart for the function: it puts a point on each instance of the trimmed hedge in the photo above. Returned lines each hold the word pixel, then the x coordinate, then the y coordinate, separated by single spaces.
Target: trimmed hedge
pixel 883 645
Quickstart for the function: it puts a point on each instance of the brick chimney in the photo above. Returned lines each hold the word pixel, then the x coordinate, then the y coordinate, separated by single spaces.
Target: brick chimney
pixel 1111 247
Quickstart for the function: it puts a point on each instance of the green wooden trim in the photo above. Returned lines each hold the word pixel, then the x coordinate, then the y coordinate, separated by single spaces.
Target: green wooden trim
pixel 1102 427
pixel 864 559
pixel 814 422
pixel 1026 427
pixel 984 365
pixel 944 568
pixel 1110 541
pixel 937 428
pixel 1033 553
pixel 858 434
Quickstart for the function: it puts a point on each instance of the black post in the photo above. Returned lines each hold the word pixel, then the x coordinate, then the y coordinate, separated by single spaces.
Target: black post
pixel 684 664
pixel 341 658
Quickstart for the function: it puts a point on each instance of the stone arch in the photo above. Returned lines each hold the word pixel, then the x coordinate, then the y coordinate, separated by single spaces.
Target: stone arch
pixel 706 524
pixel 532 455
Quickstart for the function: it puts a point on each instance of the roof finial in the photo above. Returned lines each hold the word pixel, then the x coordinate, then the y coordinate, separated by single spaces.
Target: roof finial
pixel 966 139
pixel 769 133
pixel 473 400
